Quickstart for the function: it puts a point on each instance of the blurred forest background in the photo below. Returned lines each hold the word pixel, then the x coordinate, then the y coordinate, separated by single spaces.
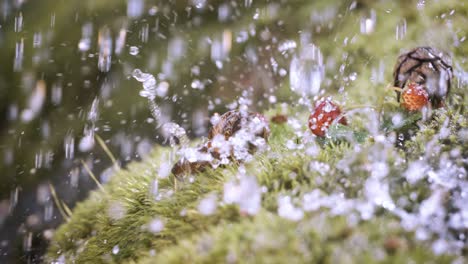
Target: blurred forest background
pixel 65 76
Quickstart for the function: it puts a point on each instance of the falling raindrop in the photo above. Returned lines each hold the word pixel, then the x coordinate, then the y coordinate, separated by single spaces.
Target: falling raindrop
pixel 400 30
pixel 52 20
pixel 27 242
pixel 56 94
pixel 37 40
pixel 105 49
pixel 69 146
pixel 48 211
pixel 19 52
pixel 177 47
pixel 224 11
pixel 36 101
pixel 144 33
pixel 221 46
pixel 85 41
pixel 368 23
pixel 135 8
pixel 307 71
pixel 19 22
pixel 120 41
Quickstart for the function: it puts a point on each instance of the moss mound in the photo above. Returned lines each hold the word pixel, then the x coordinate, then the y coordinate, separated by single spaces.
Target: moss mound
pixel 114 224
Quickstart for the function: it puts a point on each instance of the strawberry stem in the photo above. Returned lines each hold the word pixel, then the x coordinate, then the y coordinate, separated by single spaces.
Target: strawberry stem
pixel 352 107
pixel 398 89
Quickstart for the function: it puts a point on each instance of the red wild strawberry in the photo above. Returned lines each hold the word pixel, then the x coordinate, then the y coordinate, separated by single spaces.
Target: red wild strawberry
pixel 414 96
pixel 325 112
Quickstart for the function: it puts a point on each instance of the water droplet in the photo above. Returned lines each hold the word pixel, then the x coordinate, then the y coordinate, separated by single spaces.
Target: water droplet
pixel 19 52
pixel 286 46
pixel 86 34
pixel 177 48
pixel 35 103
pixel 120 41
pixel 105 49
pixel 134 50
pixel 199 4
pixel 207 205
pixel 87 142
pixel 37 40
pixel 69 146
pixel 156 225
pixel 19 22
pixel 307 71
pixel 224 11
pixel 52 20
pixel 135 8
pixel 221 46
pixel 115 250
pixel 368 23
pixel 400 31
pixel 421 4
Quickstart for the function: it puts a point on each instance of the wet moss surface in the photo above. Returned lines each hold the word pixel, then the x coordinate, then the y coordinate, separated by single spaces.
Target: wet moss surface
pixel 118 217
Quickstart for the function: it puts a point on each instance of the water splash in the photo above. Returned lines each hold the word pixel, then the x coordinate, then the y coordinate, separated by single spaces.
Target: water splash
pixel 87 142
pixel 246 193
pixel 149 83
pixel 171 131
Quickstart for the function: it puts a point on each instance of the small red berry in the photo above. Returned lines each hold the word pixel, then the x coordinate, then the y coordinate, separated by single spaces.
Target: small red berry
pixel 279 119
pixel 415 97
pixel 325 112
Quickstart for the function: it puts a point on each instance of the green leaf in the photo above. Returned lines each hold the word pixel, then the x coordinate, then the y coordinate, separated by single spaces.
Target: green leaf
pixel 338 132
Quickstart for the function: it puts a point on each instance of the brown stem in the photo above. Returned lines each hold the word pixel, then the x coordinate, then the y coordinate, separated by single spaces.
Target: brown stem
pixel 398 89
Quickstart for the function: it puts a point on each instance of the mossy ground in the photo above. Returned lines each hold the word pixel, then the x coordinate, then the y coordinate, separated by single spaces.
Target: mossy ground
pixel 118 216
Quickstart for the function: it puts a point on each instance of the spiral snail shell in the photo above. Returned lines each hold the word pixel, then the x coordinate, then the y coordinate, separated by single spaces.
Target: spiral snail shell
pixel 428 67
pixel 228 125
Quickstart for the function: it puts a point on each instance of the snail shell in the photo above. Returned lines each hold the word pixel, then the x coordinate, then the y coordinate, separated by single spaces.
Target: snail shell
pixel 232 121
pixel 425 66
pixel 229 124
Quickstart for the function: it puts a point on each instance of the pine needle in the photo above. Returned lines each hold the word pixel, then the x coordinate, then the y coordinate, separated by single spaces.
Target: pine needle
pixel 66 209
pixel 106 150
pixel 91 174
pixel 398 89
pixel 66 213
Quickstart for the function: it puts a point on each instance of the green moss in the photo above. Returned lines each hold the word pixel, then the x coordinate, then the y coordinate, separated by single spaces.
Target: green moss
pixel 269 239
pixel 119 216
pixel 94 230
